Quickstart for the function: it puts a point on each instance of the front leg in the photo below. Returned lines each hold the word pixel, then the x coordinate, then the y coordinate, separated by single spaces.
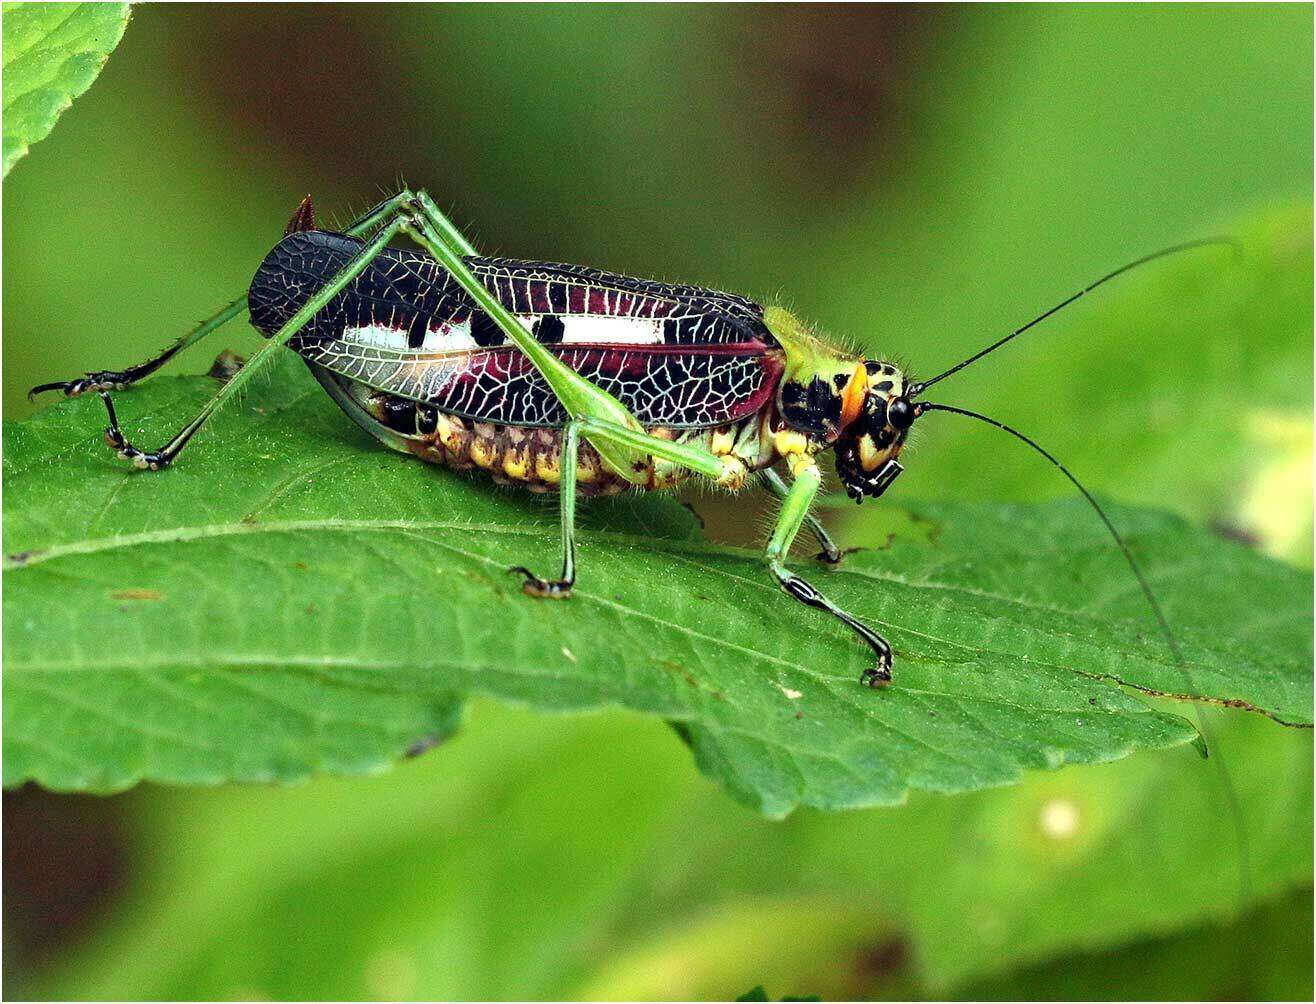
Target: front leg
pixel 561 588
pixel 794 510
pixel 830 553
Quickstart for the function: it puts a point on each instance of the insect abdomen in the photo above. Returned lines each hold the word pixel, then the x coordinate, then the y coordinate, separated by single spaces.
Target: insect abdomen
pixel 530 457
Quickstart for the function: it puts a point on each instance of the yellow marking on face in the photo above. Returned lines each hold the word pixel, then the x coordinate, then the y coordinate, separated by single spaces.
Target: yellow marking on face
pixel 852 398
pixel 720 442
pixel 869 456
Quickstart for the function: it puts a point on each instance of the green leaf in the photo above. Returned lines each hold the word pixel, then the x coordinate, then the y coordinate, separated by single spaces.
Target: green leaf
pixel 292 599
pixel 52 53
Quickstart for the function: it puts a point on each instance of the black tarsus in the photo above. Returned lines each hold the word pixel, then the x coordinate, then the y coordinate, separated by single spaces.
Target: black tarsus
pixel 875 676
pixel 115 437
pixel 921 386
pixel 103 380
pixel 533 585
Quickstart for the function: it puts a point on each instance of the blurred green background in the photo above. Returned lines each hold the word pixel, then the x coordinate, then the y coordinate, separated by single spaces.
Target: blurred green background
pixel 917 179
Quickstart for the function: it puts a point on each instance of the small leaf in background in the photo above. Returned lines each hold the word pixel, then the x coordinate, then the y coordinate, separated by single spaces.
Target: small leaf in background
pixel 759 994
pixel 52 53
pixel 291 599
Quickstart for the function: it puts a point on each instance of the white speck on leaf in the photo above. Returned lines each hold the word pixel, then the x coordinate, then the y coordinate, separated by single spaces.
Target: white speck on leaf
pixel 568 653
pixel 791 694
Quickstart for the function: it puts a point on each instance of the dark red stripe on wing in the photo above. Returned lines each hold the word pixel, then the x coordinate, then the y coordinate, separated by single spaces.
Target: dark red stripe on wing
pixel 676 386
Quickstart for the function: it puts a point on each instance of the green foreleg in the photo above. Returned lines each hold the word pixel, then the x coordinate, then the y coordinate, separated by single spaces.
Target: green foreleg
pixel 561 587
pixel 162 458
pixel 830 553
pixel 794 511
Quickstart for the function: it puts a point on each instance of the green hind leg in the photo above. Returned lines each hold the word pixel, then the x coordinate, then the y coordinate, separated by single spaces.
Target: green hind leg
pixel 157 459
pixel 581 398
pixel 104 380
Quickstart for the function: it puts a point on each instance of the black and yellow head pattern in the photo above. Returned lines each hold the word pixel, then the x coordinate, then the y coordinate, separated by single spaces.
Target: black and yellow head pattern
pixel 876 418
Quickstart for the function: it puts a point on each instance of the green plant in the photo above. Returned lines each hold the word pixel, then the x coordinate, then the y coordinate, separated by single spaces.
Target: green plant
pixel 52 53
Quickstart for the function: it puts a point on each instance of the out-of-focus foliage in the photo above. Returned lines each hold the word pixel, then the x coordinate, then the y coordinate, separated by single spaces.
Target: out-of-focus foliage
pixel 918 179
pixel 584 856
pixel 52 53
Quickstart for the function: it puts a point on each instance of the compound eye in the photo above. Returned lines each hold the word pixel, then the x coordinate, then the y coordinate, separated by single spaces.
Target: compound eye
pixel 900 413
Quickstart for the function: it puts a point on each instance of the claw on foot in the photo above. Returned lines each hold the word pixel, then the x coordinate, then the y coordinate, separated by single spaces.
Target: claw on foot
pixel 99 382
pixel 533 585
pixel 876 678
pixel 835 556
pixel 126 450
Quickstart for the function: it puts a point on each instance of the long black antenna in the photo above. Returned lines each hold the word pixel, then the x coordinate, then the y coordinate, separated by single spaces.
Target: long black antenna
pixel 918 388
pixel 1226 782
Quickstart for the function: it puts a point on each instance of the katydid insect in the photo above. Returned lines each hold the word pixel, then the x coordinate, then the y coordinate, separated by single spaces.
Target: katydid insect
pixel 569 379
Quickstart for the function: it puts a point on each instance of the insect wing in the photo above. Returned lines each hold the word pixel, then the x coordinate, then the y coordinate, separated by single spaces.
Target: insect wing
pixel 661 387
pixel 675 355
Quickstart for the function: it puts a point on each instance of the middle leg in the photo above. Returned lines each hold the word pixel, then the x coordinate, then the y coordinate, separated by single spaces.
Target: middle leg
pixel 561 588
pixel 727 471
